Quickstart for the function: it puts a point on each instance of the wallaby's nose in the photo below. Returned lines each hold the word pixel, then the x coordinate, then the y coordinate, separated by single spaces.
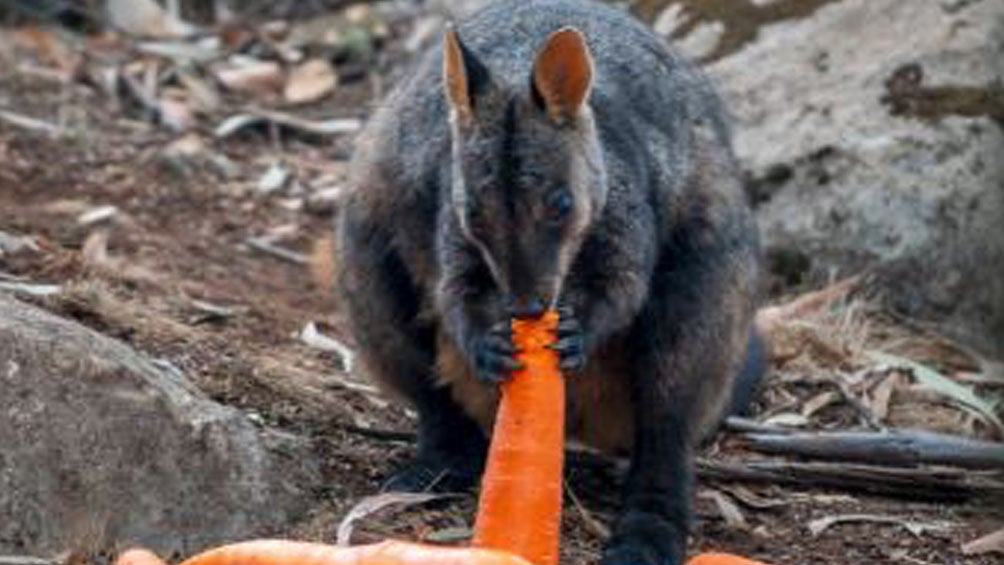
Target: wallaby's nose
pixel 528 307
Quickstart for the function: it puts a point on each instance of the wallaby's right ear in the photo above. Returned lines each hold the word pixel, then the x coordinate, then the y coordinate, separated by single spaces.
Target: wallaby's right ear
pixel 563 74
pixel 463 75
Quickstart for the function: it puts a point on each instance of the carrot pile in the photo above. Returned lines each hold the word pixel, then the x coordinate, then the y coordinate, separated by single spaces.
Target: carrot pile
pixel 519 514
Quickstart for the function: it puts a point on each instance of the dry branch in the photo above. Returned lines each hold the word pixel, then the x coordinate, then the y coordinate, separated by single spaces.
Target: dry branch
pixel 946 485
pixel 268 247
pixel 889 448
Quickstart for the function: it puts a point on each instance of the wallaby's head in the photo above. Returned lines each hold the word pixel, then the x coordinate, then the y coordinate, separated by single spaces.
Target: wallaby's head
pixel 527 169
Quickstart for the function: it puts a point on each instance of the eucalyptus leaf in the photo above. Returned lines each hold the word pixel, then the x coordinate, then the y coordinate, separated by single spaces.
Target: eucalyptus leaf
pixel 960 394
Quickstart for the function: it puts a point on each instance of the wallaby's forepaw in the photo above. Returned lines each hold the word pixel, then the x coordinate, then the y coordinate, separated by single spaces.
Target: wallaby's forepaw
pixel 419 476
pixel 495 355
pixel 571 344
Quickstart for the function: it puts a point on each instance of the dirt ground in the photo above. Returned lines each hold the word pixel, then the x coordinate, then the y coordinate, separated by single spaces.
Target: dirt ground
pixel 179 240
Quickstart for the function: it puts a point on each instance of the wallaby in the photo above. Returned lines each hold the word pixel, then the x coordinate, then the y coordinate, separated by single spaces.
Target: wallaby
pixel 556 153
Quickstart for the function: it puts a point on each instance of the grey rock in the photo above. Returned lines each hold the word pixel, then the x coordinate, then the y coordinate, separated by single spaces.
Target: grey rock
pixel 843 183
pixel 99 440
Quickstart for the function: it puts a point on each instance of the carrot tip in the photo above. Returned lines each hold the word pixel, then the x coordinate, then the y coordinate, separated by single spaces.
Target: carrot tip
pixel 138 556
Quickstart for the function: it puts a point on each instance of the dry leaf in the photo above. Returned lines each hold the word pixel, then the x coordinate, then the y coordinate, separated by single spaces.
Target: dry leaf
pixel 325 201
pixel 597 528
pixel 209 311
pixel 50 50
pixel 317 340
pixel 990 543
pixel 820 401
pixel 787 419
pixel 176 113
pixel 962 396
pixel 310 82
pixel 879 399
pixel 322 263
pixel 189 145
pixel 727 509
pixel 30 288
pixel 768 319
pixel 145 18
pixel 375 503
pixel 240 122
pixel 257 77
pixel 180 51
pixel 753 500
pixel 449 535
pixel 95 249
pixel 818 526
pixel 11 244
pixel 275 178
pixel 203 94
pixel 30 123
pixel 97 215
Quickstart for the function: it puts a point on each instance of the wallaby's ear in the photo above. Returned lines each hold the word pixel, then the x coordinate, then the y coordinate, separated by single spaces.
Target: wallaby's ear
pixel 458 78
pixel 563 74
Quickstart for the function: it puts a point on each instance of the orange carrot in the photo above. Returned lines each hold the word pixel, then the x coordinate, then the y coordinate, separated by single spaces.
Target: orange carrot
pixel 721 559
pixel 520 506
pixel 520 510
pixel 138 556
pixel 286 552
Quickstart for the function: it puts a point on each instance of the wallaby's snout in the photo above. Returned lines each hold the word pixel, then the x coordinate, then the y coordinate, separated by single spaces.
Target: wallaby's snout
pixel 528 306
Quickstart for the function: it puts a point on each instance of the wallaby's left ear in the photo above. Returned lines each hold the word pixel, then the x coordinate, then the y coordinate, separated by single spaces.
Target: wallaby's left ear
pixel 563 74
pixel 464 77
pixel 455 82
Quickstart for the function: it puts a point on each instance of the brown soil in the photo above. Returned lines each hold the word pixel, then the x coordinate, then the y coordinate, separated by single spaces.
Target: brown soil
pixel 181 235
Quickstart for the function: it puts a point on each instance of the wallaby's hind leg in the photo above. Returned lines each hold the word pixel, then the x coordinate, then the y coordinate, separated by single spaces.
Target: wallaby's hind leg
pixel 691 343
pixel 398 351
pixel 750 376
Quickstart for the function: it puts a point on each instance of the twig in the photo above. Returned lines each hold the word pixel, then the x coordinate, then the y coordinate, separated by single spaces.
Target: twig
pixel 379 434
pixel 269 248
pixel 744 425
pixel 891 448
pixel 914 484
pixel 771 317
pixel 818 526
pixel 594 526
pixel 29 123
pixel 25 560
pixel 29 288
pixel 850 398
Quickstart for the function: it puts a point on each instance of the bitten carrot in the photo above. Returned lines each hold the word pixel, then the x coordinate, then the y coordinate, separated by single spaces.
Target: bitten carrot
pixel 721 559
pixel 520 506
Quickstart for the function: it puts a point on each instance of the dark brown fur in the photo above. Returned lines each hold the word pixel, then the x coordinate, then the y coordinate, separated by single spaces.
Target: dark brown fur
pixel 456 222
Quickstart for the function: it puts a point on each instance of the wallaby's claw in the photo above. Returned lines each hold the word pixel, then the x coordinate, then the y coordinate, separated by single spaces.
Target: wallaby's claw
pixel 495 355
pixel 571 344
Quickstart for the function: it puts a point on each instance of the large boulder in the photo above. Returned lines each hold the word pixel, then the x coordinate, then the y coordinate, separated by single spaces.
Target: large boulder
pixel 98 440
pixel 873 135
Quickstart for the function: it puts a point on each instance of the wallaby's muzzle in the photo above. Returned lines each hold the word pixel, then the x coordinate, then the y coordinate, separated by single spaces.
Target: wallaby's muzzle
pixel 528 306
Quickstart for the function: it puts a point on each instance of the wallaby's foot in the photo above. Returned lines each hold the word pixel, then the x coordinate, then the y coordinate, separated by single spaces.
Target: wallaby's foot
pixel 433 476
pixel 644 538
pixel 451 449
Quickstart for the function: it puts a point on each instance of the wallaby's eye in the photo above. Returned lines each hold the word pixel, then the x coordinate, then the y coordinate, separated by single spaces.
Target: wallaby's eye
pixel 558 205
